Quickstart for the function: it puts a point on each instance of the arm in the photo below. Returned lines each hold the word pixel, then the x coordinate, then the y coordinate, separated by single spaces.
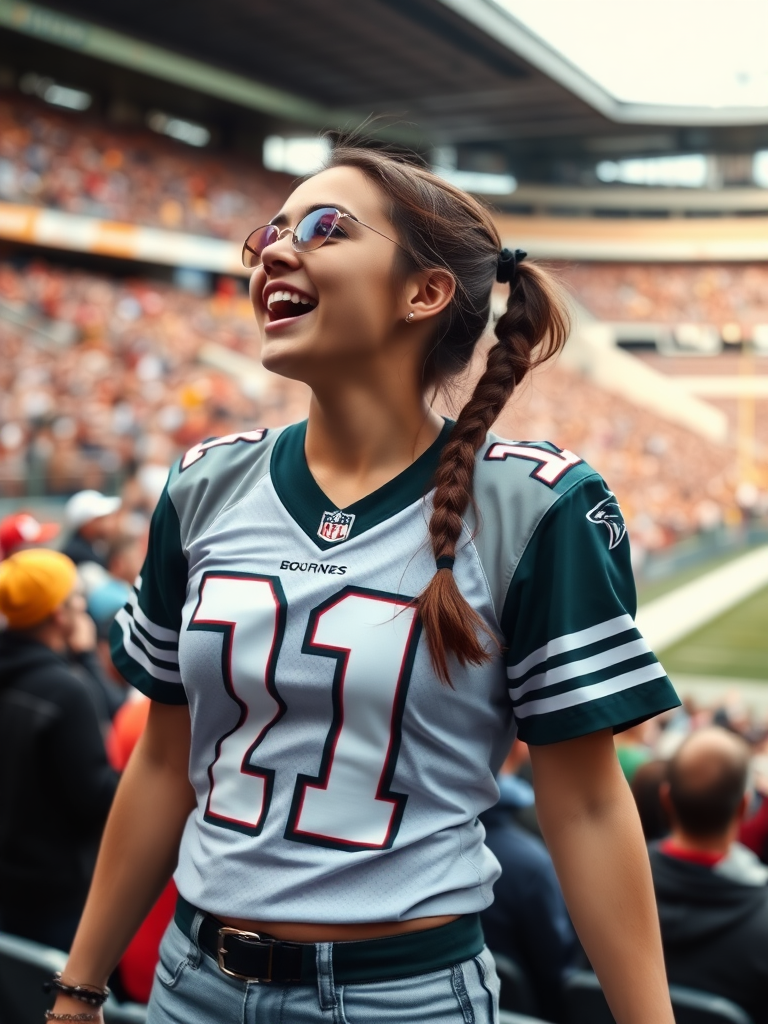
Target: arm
pixel 139 849
pixel 591 827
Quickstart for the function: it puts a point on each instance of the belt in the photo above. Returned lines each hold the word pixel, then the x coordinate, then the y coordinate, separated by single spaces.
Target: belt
pixel 261 958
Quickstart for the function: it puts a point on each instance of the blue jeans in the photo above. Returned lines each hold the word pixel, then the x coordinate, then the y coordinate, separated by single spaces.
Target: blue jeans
pixel 189 988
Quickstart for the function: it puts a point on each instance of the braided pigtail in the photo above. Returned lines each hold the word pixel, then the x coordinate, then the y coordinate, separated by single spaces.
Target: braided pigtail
pixel 532 329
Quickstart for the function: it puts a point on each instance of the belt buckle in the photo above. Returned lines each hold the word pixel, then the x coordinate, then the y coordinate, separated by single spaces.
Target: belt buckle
pixel 221 952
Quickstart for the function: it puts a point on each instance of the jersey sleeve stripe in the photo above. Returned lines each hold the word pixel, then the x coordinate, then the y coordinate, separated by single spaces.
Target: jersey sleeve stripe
pixel 150 627
pixel 134 648
pixel 157 653
pixel 585 694
pixel 574 669
pixel 571 642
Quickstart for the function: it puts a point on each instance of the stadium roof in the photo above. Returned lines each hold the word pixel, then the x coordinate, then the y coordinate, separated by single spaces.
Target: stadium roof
pixel 461 71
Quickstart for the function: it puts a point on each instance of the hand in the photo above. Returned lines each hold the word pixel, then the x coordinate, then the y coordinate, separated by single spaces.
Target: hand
pixel 82 638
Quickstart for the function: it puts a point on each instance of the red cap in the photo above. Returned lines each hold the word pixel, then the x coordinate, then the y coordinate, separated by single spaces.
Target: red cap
pixel 21 529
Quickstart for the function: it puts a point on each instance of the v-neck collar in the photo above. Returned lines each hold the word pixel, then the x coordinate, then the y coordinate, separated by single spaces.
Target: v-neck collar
pixel 308 505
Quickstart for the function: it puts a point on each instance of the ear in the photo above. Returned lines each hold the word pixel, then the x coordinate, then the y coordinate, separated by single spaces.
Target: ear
pixel 665 801
pixel 427 294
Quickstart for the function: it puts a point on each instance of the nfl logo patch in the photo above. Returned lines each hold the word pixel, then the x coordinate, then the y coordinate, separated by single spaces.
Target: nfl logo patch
pixel 335 526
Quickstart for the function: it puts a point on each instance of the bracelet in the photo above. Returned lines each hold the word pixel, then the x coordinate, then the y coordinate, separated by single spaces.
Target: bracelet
pixel 50 1015
pixel 85 993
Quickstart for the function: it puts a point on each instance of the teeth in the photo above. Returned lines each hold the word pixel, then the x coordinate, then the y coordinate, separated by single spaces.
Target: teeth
pixel 284 296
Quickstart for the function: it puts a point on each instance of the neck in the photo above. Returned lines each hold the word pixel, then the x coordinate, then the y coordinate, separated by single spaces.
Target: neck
pixel 358 438
pixel 720 844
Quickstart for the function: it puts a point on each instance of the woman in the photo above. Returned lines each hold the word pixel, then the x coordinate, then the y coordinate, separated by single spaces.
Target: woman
pixel 331 622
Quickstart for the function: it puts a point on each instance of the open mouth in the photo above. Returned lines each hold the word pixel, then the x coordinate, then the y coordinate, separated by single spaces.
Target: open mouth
pixel 284 304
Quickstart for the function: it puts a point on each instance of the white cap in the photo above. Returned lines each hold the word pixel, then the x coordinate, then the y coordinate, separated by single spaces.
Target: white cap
pixel 85 506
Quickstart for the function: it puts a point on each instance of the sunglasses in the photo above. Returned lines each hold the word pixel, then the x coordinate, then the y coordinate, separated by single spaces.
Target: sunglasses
pixel 310 233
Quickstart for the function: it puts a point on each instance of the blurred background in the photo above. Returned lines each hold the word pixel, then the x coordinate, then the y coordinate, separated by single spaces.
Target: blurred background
pixel 625 144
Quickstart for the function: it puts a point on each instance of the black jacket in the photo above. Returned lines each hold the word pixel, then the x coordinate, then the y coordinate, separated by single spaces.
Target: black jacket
pixel 714 926
pixel 528 921
pixel 56 785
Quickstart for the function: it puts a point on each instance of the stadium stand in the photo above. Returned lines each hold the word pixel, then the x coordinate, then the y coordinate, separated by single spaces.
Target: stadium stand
pixel 129 391
pixel 83 165
pixel 726 296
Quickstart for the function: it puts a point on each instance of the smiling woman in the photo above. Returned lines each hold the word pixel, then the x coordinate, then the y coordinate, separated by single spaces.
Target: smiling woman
pixel 342 735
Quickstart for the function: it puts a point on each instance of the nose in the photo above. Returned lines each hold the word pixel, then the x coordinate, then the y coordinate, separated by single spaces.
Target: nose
pixel 280 252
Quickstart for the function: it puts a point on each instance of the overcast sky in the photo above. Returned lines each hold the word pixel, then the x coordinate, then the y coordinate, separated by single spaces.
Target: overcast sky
pixel 697 52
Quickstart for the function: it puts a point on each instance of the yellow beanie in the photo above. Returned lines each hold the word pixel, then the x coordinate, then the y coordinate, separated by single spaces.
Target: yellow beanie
pixel 33 583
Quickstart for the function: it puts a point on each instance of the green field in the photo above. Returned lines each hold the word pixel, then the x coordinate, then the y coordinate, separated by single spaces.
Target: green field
pixel 733 646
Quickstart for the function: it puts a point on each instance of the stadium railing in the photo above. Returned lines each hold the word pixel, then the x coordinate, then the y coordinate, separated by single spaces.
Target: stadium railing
pixel 25 965
pixel 586 1004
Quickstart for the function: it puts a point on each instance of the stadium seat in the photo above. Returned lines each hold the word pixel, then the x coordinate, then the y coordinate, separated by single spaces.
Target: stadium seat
pixel 585 1004
pixel 516 994
pixel 24 966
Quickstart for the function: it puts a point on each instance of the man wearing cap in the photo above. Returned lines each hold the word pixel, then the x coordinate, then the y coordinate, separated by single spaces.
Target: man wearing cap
pixel 56 785
pixel 22 530
pixel 90 524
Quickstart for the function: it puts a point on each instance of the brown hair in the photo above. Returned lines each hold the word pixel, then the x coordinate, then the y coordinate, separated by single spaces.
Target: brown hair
pixel 441 226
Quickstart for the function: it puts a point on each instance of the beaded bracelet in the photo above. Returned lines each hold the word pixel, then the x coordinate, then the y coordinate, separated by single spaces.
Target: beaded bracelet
pixel 80 1018
pixel 85 993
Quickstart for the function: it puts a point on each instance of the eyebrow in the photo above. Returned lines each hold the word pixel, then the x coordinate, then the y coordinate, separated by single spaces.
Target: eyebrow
pixel 282 220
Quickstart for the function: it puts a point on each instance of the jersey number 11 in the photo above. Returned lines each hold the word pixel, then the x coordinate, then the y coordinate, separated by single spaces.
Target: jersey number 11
pixel 372 636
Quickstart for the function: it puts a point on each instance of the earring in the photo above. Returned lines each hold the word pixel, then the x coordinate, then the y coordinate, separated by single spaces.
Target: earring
pixel 409 317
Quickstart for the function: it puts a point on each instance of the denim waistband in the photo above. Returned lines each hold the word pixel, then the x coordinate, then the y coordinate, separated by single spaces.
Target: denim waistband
pixel 369 960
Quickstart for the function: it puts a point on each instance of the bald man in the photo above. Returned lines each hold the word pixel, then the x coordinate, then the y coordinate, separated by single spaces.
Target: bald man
pixel 711 891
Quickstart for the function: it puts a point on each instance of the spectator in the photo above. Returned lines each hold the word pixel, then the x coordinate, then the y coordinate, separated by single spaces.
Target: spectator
pixel 712 892
pixel 645 786
pixel 527 921
pixel 89 518
pixel 56 785
pixel 23 531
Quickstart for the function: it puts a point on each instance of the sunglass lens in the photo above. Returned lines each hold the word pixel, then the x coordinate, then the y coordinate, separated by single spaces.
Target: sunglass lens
pixel 256 243
pixel 313 230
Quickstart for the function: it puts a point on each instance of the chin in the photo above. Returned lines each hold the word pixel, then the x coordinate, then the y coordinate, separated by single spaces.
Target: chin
pixel 287 358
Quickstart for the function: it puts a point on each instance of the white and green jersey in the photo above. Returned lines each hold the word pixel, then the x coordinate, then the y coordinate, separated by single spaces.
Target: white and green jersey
pixel 337 779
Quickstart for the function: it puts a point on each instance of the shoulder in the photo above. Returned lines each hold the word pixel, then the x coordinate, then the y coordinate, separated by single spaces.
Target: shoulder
pixel 519 485
pixel 216 473
pixel 534 472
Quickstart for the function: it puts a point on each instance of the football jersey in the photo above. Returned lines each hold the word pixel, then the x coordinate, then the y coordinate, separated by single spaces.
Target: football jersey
pixel 337 779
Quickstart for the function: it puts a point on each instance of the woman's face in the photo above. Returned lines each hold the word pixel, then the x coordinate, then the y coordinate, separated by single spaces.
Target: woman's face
pixel 353 304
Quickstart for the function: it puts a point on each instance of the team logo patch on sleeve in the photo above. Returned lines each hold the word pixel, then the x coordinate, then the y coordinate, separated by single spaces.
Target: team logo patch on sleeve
pixel 335 526
pixel 608 514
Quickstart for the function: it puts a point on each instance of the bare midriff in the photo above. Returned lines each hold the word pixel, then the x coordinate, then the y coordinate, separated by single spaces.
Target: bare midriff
pixel 291 931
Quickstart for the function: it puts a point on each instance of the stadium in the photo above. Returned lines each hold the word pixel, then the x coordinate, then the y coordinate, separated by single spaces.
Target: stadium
pixel 139 145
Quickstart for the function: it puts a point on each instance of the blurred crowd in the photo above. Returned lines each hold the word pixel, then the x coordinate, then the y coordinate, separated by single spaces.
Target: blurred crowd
pixel 699 777
pixel 134 386
pixel 130 389
pixel 83 165
pixel 730 297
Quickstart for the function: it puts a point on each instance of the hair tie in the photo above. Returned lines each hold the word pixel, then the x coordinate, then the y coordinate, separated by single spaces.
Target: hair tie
pixel 445 562
pixel 506 268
